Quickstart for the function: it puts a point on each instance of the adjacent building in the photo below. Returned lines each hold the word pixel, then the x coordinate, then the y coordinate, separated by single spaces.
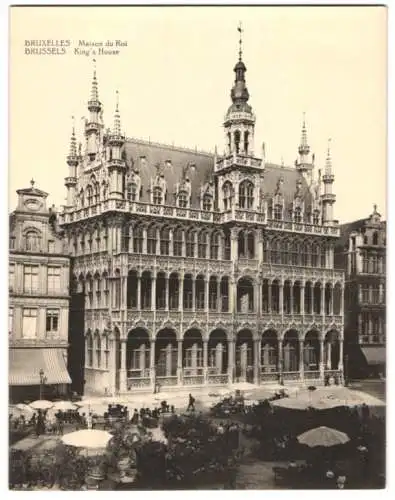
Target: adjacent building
pixel 38 300
pixel 191 268
pixel 362 254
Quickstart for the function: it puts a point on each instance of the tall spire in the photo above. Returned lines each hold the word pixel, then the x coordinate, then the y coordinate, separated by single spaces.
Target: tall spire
pixel 94 90
pixel 304 148
pixel 117 117
pixel 328 162
pixel 239 93
pixel 73 140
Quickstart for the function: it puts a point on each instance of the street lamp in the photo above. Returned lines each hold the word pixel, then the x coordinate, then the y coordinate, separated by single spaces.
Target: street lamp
pixel 42 382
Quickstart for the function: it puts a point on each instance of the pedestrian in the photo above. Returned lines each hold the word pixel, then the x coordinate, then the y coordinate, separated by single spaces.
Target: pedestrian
pixel 191 404
pixel 89 420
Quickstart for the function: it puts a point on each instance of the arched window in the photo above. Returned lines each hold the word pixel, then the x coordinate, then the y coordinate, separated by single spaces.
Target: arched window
pixel 298 215
pixel 246 195
pixel 375 238
pixel 190 244
pixel 97 193
pixel 246 141
pixel 227 190
pixel 138 239
pixel 132 192
pixel 214 246
pixel 177 242
pixel 295 249
pixel 276 252
pixel 82 198
pixel 151 240
pixel 164 241
pixel 316 217
pixel 202 245
pixel 237 141
pixel 89 195
pixel 278 212
pixel 182 199
pixel 365 240
pixel 98 350
pixel 157 197
pixel 229 141
pixel 89 346
pixel 32 241
pixel 207 202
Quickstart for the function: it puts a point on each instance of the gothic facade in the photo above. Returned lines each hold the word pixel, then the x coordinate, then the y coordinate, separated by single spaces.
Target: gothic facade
pixel 201 269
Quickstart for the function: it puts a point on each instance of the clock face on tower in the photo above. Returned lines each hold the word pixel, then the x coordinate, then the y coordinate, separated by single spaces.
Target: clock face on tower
pixel 32 204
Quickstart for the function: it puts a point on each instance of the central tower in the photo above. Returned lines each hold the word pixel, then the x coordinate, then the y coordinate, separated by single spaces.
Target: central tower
pixel 239 174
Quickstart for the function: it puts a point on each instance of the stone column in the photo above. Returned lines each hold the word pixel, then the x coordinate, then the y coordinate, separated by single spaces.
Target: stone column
pixel 341 354
pixel 342 301
pixel 193 294
pixel 257 362
pixel 231 360
pixel 205 361
pixel 144 241
pixel 219 308
pixel 321 362
pixel 301 359
pixel 181 293
pixel 139 292
pixel 195 245
pixel 233 248
pixel 280 360
pixel 170 242
pixel 123 371
pixel 152 365
pixel 257 298
pixel 153 293
pixel 302 299
pixel 113 367
pixel 179 362
pixel 231 294
pixel 206 294
pixel 166 293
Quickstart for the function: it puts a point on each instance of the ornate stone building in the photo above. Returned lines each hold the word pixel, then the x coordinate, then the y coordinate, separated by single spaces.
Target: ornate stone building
pixel 197 268
pixel 38 299
pixel 361 251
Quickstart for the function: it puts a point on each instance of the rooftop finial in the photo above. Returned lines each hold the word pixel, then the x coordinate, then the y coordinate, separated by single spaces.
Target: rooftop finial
pixel 240 30
pixel 32 183
pixel 94 91
pixel 328 164
pixel 374 208
pixel 304 148
pixel 73 141
pixel 117 118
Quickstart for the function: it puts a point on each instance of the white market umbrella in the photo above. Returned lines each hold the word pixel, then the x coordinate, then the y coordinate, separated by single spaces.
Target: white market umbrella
pixel 87 438
pixel 323 436
pixel 64 406
pixel 291 403
pixel 41 404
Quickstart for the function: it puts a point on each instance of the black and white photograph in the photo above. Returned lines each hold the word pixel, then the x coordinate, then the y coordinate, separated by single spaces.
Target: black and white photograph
pixel 197 240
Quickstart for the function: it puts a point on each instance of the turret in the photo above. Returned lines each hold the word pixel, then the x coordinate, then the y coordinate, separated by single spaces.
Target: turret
pixel 328 198
pixel 239 121
pixel 305 161
pixel 92 125
pixel 116 164
pixel 72 162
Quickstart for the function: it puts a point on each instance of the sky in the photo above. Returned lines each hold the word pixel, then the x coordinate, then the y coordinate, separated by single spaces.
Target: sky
pixel 174 79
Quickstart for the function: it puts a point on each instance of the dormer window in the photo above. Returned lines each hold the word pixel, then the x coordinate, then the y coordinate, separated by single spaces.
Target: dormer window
pixel 278 212
pixel 182 199
pixel 237 141
pixel 298 215
pixel 207 202
pixel 375 238
pixel 90 195
pixel 157 197
pixel 132 192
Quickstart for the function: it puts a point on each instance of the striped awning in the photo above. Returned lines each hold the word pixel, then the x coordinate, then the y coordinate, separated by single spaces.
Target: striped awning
pixel 374 355
pixel 25 365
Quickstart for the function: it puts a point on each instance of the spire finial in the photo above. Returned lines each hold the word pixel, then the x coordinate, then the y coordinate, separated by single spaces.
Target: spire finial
pixel 32 183
pixel 328 164
pixel 94 91
pixel 375 208
pixel 240 30
pixel 117 118
pixel 73 140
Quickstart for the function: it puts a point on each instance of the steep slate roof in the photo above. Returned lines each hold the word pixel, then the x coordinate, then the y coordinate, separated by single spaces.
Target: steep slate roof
pixel 155 153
